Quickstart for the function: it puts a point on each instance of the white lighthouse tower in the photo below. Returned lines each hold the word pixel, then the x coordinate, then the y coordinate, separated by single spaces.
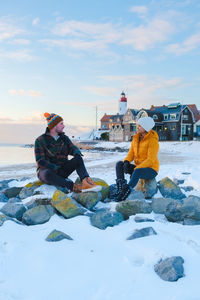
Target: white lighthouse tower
pixel 122 104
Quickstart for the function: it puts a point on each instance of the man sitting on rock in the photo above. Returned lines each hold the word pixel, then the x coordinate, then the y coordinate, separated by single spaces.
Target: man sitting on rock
pixel 143 151
pixel 51 153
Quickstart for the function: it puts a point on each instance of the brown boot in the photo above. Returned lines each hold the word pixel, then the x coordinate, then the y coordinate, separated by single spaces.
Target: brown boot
pixel 87 183
pixel 77 188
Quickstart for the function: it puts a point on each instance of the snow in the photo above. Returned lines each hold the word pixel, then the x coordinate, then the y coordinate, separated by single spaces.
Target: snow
pixel 102 264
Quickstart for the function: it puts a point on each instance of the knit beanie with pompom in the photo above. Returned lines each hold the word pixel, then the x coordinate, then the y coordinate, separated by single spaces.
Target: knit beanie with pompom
pixel 52 120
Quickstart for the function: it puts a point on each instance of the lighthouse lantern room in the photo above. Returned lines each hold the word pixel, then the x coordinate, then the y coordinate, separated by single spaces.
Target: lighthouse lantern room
pixel 122 104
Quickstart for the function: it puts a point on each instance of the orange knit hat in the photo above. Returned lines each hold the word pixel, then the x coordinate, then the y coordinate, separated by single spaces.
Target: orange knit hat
pixel 52 120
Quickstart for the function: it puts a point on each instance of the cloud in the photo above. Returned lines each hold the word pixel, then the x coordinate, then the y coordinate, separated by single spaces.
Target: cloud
pixel 20 55
pixel 101 91
pixel 8 29
pixel 145 37
pixel 140 10
pixel 20 42
pixel 188 45
pixel 35 21
pixel 21 92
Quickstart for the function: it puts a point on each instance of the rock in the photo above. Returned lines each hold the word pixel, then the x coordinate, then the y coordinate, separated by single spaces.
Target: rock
pixel 104 193
pixel 36 184
pixel 57 235
pixel 14 200
pixel 135 195
pixel 173 212
pixel 38 215
pixel 170 269
pixel 13 210
pixel 188 208
pixel 169 189
pixel 129 207
pixel 27 192
pixel 12 192
pixel 186 173
pixel 190 222
pixel 187 188
pixel 140 219
pixel 30 204
pixel 3 197
pixel 67 206
pixel 178 181
pixel 105 218
pixel 148 187
pixel 4 184
pixel 159 205
pixel 87 199
pixel 139 233
pixel 97 181
pixel 43 201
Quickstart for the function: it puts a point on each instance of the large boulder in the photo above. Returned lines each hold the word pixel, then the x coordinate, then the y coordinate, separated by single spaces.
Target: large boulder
pixel 170 269
pixel 68 207
pixel 87 199
pixel 173 212
pixel 159 205
pixel 148 187
pixel 12 192
pixel 38 215
pixel 13 210
pixel 139 233
pixel 105 218
pixel 135 195
pixel 169 189
pixel 128 208
pixel 57 235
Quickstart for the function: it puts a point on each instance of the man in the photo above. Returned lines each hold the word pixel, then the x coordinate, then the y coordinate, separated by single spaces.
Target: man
pixel 51 153
pixel 144 152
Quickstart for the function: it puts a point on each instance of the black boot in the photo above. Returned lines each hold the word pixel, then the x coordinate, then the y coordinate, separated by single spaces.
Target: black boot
pixel 115 194
pixel 126 190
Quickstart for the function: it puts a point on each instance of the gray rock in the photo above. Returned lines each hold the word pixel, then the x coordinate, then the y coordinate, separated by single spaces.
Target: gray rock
pixel 14 200
pixel 169 189
pixel 141 220
pixel 139 233
pixel 173 212
pixel 129 207
pixel 190 222
pixel 13 210
pixel 32 203
pixel 3 218
pixel 3 197
pixel 12 192
pixel 4 184
pixel 170 269
pixel 159 205
pixel 27 191
pixel 87 199
pixel 148 187
pixel 57 235
pixel 105 218
pixel 104 193
pixel 187 188
pixel 37 215
pixel 178 181
pixel 135 195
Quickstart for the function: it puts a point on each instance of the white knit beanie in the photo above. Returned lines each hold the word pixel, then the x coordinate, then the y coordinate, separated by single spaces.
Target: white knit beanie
pixel 147 123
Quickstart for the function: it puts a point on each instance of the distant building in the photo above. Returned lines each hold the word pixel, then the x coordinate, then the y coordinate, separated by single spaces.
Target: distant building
pixel 105 122
pixel 116 133
pixel 122 104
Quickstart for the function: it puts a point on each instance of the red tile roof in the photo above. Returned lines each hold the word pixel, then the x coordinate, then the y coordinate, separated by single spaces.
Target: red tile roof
pixel 105 118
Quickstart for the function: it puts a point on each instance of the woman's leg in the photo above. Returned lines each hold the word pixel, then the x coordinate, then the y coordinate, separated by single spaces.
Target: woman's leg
pixel 142 173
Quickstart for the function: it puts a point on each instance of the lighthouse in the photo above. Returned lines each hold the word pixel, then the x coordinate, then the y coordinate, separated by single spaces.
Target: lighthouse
pixel 122 104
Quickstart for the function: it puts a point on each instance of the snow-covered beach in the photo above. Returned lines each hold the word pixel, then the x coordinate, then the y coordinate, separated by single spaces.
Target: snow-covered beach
pixel 102 264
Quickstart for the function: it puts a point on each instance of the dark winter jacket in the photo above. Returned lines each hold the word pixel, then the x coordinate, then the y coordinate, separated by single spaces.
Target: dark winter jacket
pixel 52 154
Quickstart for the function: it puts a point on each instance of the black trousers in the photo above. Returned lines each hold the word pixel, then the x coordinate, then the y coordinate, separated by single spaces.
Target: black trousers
pixel 59 177
pixel 140 173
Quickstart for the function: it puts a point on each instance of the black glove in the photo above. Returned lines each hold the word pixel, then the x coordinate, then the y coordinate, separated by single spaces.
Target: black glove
pixel 126 167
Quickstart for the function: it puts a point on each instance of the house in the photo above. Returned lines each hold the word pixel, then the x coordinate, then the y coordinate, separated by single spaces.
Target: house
pixel 177 121
pixel 105 122
pixel 116 133
pixel 129 123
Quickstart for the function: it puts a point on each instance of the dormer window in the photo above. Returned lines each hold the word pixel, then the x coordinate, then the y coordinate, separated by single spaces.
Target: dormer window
pixel 172 116
pixel 155 117
pixel 165 117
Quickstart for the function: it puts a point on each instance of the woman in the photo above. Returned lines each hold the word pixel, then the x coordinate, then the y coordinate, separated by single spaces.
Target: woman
pixel 143 151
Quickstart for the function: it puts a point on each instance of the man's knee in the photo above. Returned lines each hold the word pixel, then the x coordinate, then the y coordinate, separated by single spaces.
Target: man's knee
pixel 45 175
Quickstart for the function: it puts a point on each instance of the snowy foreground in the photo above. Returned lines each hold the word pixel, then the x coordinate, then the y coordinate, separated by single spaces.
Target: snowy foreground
pixel 102 264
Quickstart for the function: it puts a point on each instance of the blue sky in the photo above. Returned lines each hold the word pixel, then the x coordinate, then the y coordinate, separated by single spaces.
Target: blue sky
pixel 68 57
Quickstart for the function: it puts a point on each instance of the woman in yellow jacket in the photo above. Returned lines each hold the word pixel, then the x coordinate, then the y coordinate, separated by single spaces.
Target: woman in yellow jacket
pixel 143 151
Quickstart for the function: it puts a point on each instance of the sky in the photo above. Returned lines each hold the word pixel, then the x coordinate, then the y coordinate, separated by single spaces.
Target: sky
pixel 69 57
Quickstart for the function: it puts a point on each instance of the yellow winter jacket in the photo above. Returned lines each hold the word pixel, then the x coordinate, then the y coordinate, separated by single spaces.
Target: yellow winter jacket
pixel 144 152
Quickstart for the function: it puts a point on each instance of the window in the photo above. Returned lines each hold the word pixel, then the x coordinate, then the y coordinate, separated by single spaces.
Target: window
pixel 185 117
pixel 173 127
pixel 155 117
pixel 172 116
pixel 165 117
pixel 183 129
